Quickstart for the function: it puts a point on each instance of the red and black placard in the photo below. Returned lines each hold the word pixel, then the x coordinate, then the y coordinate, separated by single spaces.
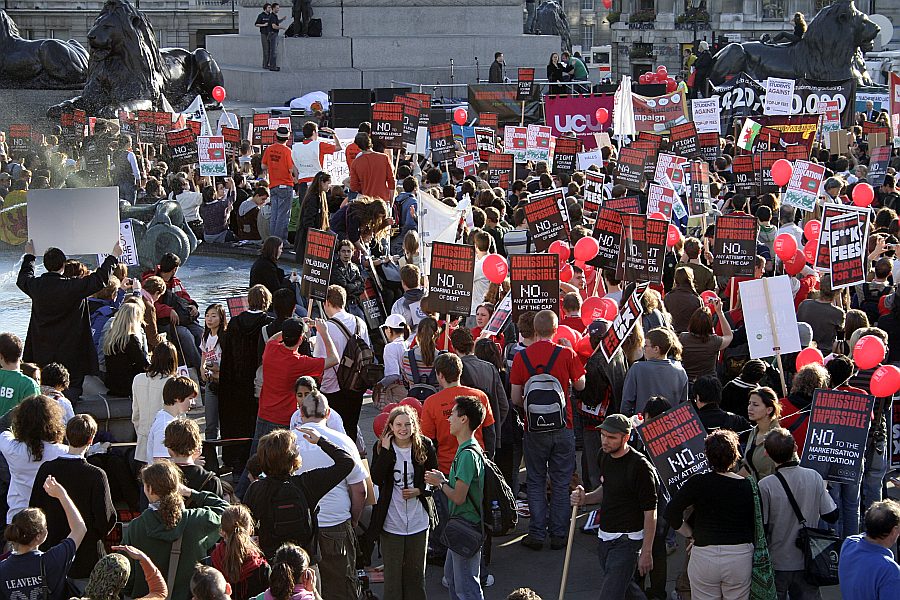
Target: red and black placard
pixel 847 241
pixel 387 123
pixel 19 138
pixel 837 433
pixel 762 163
pixel 675 443
pixel 424 107
pixel 593 190
pixel 488 119
pixel 870 128
pixel 260 124
pixel 768 139
pixel 656 248
pixel 317 261
pixel 699 188
pixel 500 170
pixel 879 161
pixel 182 146
pixel 452 277
pixel 634 249
pixel 411 113
pixel 67 126
pixel 266 139
pixel 547 218
pixel 625 204
pixel 608 232
pixel 534 282
pixel 710 149
pixel 734 248
pixel 631 167
pixel 442 144
pixel 232 142
pixel 565 154
pixel 128 124
pixel 745 176
pixel 684 140
pixel 629 315
pixel 829 210
pixel 485 143
pixel 525 86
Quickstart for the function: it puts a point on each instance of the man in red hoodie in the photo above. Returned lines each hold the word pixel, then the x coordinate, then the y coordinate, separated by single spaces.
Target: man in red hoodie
pixel 175 309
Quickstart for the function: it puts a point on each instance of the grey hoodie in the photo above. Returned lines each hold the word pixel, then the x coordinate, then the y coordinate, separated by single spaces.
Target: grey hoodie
pixel 656 377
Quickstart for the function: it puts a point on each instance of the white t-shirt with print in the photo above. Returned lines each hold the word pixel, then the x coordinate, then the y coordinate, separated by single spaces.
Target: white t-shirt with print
pixel 404 517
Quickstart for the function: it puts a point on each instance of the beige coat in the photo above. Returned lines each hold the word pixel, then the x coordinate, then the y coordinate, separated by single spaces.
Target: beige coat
pixel 147 400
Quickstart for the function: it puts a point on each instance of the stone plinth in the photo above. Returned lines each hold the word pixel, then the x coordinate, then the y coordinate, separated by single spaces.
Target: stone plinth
pixel 411 41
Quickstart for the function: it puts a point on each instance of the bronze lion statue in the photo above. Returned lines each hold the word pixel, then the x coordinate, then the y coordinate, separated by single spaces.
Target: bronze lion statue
pixel 551 19
pixel 128 71
pixel 39 64
pixel 831 50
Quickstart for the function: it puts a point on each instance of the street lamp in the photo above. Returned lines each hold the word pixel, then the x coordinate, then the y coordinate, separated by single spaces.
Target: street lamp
pixel 695 9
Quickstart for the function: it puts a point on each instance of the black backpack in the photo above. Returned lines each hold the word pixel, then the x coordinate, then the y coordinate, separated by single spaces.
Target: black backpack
pixel 292 520
pixel 496 490
pixel 870 298
pixel 422 386
pixel 355 370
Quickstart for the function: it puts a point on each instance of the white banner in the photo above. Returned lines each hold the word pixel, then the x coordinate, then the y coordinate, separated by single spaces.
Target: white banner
pixel 129 248
pixel 707 114
pixel 779 96
pixel 75 220
pixel 769 316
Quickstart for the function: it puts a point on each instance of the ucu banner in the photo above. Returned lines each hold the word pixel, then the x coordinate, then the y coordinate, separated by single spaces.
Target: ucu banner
pixel 578 114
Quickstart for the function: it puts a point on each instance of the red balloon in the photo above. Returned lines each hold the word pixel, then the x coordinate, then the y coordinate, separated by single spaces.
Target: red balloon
pixel 885 381
pixel 795 264
pixel 586 249
pixel 460 116
pixel 708 296
pixel 218 93
pixel 588 270
pixel 389 407
pixel 673 236
pixel 379 423
pixel 659 215
pixel 495 268
pixel 868 352
pixel 413 402
pixel 662 70
pixel 863 194
pixel 598 308
pixel 561 249
pixel 584 349
pixel 808 356
pixel 564 332
pixel 782 170
pixel 602 115
pixel 785 246
pixel 671 85
pixel 607 4
pixel 812 229
pixel 566 272
pixel 809 251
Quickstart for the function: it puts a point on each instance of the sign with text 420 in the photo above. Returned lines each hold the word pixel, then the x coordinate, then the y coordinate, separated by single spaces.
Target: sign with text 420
pixel 452 277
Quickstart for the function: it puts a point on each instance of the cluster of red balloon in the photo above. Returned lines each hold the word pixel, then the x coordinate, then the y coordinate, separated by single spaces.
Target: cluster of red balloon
pixel 381 420
pixel 661 75
pixel 460 116
pixel 782 170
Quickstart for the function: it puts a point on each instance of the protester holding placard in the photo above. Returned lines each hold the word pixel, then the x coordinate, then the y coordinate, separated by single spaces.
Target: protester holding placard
pixel 700 346
pixel 682 300
pixel 659 374
pixel 723 521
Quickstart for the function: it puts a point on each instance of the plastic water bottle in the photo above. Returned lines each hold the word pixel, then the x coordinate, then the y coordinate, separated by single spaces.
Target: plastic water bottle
pixel 496 517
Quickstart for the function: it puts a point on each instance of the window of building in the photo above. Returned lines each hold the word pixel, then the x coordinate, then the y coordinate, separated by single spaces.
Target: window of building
pixel 772 9
pixel 587 4
pixel 587 37
pixel 647 5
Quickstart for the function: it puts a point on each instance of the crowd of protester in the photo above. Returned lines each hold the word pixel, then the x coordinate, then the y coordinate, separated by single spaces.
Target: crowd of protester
pixel 270 497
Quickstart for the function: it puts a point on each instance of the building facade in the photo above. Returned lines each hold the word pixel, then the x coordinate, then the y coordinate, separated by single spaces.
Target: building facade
pixel 177 23
pixel 644 34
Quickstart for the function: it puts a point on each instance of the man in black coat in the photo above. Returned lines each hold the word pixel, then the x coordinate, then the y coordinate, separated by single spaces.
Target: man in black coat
pixel 346 274
pixel 60 328
pixel 495 75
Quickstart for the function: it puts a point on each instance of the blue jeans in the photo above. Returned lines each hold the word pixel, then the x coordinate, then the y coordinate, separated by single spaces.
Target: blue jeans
pixel 280 200
pixel 273 50
pixel 846 497
pixel 262 428
pixel 462 575
pixel 618 560
pixel 550 454
pixel 873 476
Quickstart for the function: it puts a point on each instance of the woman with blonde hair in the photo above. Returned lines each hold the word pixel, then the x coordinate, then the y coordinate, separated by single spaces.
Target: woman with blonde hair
pixel 405 512
pixel 125 348
pixel 237 555
pixel 168 527
pixel 659 374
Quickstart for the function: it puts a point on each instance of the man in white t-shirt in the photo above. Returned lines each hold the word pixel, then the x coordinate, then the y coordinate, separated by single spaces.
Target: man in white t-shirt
pixel 339 509
pixel 346 402
pixel 178 398
pixel 309 154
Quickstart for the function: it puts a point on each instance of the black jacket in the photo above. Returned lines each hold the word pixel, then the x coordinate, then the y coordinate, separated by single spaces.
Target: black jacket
pixel 555 72
pixel 349 278
pixel 383 476
pixel 237 372
pixel 496 73
pixel 89 489
pixel 713 417
pixel 124 365
pixel 60 326
pixel 266 272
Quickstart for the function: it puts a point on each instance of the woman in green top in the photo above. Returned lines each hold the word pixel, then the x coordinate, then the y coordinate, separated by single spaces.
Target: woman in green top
pixel 167 523
pixel 763 408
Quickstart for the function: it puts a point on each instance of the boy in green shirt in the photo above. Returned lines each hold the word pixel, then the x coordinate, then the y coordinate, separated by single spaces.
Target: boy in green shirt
pixel 14 385
pixel 464 490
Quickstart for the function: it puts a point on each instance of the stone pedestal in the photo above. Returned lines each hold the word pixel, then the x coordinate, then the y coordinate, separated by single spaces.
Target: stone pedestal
pixel 409 41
